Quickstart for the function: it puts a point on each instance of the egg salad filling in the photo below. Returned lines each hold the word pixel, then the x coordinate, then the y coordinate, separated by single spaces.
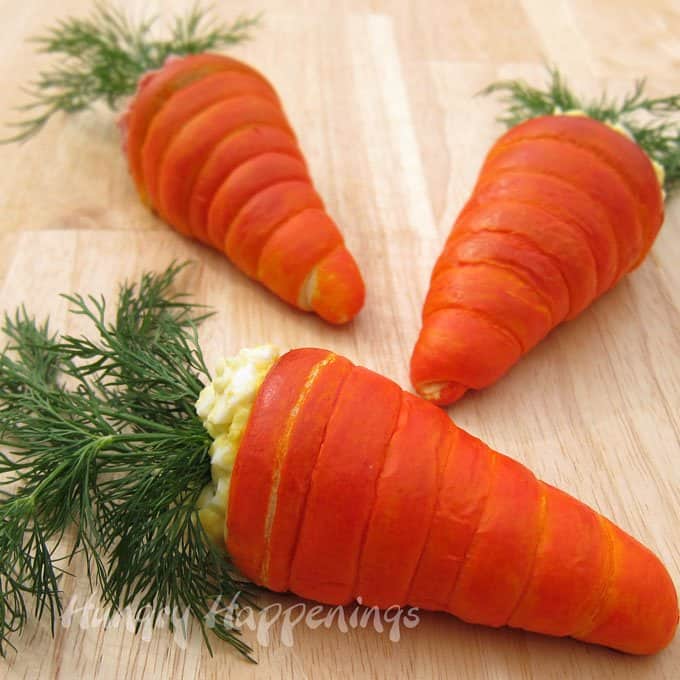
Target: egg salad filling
pixel 621 129
pixel 224 407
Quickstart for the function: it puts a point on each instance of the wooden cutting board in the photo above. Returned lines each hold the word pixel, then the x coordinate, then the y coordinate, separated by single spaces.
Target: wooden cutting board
pixel 382 95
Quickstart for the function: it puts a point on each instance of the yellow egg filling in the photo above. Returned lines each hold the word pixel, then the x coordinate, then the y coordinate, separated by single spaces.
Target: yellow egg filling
pixel 224 407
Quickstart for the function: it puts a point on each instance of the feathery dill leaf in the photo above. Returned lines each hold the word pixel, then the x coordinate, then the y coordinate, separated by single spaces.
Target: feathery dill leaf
pixel 52 455
pixel 653 122
pixel 101 57
pixel 101 432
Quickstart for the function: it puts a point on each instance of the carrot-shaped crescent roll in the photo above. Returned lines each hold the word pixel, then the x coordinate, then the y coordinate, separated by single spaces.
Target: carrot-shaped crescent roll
pixel 567 202
pixel 212 153
pixel 320 477
pixel 340 486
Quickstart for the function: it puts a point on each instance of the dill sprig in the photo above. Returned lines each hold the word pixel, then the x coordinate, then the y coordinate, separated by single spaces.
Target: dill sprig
pixel 101 432
pixel 653 122
pixel 53 450
pixel 102 57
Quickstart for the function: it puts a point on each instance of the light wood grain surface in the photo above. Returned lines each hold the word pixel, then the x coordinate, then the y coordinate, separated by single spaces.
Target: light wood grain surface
pixel 381 94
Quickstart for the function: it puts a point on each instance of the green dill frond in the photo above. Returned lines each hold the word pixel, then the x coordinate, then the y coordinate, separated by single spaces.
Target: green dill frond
pixel 26 566
pixel 101 58
pixel 48 452
pixel 653 122
pixel 99 431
